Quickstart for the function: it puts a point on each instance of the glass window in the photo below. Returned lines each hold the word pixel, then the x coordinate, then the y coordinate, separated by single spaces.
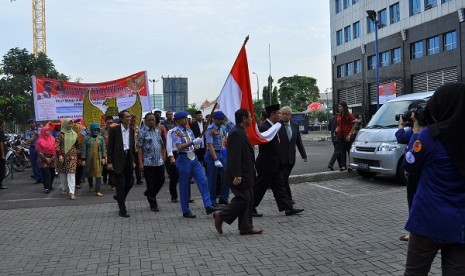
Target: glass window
pixel 445 1
pixel 339 37
pixel 430 3
pixel 350 68
pixel 338 6
pixel 385 59
pixel 394 13
pixel 356 29
pixel 450 41
pixel 382 18
pixel 357 66
pixel 415 7
pixel 347 34
pixel 372 62
pixel 432 45
pixel 355 2
pixel 347 3
pixel 370 25
pixel 341 71
pixel 396 55
pixel 416 49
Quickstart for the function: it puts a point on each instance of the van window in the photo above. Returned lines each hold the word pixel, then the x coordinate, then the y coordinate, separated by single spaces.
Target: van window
pixel 385 116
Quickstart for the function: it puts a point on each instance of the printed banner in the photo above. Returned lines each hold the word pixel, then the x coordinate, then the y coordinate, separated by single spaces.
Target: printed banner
pixel 54 99
pixel 387 91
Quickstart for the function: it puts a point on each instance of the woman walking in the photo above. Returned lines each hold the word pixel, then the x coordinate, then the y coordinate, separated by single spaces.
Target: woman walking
pixel 46 151
pixel 345 121
pixel 66 149
pixel 93 157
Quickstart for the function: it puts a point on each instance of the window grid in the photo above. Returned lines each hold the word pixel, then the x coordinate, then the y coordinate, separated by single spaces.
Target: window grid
pixel 394 13
pixel 347 34
pixel 385 59
pixel 433 45
pixel 417 49
pixel 339 37
pixel 396 56
pixel 372 62
pixel 382 18
pixel 450 41
pixel 356 29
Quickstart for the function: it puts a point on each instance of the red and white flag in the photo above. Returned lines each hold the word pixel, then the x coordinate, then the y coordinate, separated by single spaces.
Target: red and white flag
pixel 236 94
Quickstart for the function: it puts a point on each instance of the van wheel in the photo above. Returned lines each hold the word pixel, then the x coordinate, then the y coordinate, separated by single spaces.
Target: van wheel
pixel 400 173
pixel 366 174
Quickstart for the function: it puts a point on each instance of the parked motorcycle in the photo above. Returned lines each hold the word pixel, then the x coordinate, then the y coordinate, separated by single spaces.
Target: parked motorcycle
pixel 16 158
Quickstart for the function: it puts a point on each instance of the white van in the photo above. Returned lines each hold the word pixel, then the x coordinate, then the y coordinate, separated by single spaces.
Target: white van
pixel 375 149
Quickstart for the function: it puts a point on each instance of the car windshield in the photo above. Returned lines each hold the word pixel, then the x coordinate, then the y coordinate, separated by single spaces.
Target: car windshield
pixel 385 116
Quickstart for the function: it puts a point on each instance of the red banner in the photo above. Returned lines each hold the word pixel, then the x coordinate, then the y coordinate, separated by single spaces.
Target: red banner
pixel 54 99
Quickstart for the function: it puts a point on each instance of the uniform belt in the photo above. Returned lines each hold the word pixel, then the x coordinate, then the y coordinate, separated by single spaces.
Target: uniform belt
pixel 218 151
pixel 182 152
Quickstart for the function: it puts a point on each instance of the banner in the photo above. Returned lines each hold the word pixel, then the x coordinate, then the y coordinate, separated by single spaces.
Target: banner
pixel 387 91
pixel 54 99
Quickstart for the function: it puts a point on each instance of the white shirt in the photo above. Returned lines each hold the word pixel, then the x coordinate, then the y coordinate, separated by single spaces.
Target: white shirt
pixel 170 147
pixel 125 133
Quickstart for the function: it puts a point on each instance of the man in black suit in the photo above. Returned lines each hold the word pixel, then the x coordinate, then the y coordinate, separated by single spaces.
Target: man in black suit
pixel 121 148
pixel 269 172
pixel 239 176
pixel 290 138
pixel 197 128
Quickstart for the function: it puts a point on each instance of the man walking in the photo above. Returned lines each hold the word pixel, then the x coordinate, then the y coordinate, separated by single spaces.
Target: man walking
pixel 150 153
pixel 290 138
pixel 239 176
pixel 197 129
pixel 268 168
pixel 120 154
pixel 32 134
pixel 107 175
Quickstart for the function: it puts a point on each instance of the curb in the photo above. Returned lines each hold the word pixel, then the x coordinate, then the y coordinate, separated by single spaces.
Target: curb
pixel 321 176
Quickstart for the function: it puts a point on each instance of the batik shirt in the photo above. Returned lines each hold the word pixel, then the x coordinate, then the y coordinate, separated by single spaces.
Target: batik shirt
pixel 151 143
pixel 214 135
pixel 181 136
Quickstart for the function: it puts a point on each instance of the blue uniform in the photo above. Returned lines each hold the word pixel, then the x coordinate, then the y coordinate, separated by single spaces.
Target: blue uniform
pixel 33 156
pixel 438 209
pixel 214 135
pixel 189 167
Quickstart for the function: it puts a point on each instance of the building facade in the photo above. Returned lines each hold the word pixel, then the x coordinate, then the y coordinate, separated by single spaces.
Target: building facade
pixel 419 48
pixel 156 101
pixel 175 93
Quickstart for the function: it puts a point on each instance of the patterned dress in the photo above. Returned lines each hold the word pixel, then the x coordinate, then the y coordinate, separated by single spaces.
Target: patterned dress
pixel 93 151
pixel 70 158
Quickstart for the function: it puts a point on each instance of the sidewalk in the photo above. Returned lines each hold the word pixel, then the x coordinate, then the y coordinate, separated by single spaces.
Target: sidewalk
pixel 317 136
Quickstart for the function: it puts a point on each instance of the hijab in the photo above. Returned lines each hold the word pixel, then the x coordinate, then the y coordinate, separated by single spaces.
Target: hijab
pixel 93 127
pixel 70 135
pixel 447 106
pixel 45 142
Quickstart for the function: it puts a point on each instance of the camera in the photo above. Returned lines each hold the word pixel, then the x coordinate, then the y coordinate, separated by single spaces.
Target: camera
pixel 406 116
pixel 422 114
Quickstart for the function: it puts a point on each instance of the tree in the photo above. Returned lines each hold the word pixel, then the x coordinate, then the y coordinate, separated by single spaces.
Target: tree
pixel 17 68
pixel 266 93
pixel 258 108
pixel 298 91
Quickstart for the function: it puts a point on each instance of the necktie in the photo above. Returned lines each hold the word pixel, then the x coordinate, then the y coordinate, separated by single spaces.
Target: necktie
pixel 289 131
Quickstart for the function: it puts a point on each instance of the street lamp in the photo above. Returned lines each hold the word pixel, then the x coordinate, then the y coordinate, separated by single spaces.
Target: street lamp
pixel 327 90
pixel 153 81
pixel 372 16
pixel 258 86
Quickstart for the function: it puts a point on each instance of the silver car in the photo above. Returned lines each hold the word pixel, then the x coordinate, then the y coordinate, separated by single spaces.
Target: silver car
pixel 375 149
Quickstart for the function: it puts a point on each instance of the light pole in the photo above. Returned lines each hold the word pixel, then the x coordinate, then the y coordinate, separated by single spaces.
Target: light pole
pixel 258 86
pixel 327 90
pixel 153 81
pixel 372 16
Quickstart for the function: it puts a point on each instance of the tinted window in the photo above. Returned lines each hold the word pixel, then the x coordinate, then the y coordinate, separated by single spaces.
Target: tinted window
pixel 385 116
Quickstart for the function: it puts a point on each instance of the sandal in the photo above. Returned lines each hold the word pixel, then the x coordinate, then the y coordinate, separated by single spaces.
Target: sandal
pixel 404 237
pixel 72 197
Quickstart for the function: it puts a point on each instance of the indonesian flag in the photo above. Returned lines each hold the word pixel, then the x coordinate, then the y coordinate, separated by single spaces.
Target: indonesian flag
pixel 236 94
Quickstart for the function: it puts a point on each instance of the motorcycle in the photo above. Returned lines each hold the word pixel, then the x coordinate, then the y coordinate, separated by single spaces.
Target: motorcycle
pixel 16 158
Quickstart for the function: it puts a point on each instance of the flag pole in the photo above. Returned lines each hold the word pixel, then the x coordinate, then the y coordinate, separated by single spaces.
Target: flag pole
pixel 209 119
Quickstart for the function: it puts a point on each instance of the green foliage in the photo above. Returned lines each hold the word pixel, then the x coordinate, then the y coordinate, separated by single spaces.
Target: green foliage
pixel 258 107
pixel 192 109
pixel 298 92
pixel 17 68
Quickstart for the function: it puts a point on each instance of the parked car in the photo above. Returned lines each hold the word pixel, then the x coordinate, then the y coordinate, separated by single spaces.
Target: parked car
pixel 375 149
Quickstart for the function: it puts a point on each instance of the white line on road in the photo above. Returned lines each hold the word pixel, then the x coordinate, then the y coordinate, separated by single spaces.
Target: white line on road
pixel 28 199
pixel 334 190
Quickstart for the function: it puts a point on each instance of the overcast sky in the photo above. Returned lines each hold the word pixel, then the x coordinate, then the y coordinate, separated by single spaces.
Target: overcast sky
pixel 101 40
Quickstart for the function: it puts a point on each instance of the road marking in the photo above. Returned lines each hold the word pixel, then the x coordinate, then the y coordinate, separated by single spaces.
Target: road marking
pixel 334 190
pixel 28 199
pixel 354 195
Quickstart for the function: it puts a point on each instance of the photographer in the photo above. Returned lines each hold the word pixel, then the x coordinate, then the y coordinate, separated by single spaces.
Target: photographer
pixel 403 137
pixel 437 216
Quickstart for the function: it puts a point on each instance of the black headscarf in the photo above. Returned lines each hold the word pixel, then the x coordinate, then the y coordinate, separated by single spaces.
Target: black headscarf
pixel 447 106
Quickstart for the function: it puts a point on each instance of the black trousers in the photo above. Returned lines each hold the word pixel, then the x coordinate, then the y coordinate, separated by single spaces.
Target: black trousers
pixel 2 171
pixel 275 181
pixel 240 207
pixel 48 174
pixel 124 182
pixel 336 155
pixel 174 176
pixel 287 169
pixel 137 171
pixel 412 184
pixel 344 149
pixel 154 180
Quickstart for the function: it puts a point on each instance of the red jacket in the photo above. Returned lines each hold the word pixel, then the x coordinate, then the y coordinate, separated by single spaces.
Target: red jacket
pixel 344 126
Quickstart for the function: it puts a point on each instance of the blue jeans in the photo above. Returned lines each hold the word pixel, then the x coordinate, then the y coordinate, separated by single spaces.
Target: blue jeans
pixel 212 176
pixel 188 169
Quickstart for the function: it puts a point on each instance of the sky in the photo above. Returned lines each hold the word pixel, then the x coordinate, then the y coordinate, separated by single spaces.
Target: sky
pixel 102 40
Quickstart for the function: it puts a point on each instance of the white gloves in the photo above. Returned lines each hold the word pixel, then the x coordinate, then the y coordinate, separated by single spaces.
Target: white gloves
pixel 218 164
pixel 197 142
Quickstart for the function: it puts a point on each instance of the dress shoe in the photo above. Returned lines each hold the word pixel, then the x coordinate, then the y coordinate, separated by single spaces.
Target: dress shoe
pixel 292 202
pixel 46 191
pixel 223 202
pixel 293 212
pixel 256 214
pixel 404 237
pixel 174 200
pixel 78 186
pixel 189 215
pixel 343 169
pixel 154 209
pixel 115 198
pixel 3 187
pixel 123 215
pixel 253 231
pixel 330 167
pixel 349 169
pixel 218 222
pixel 211 209
pixel 139 182
pixel 98 194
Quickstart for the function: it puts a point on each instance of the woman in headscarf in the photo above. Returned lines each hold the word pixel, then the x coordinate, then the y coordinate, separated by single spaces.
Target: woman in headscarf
pixel 45 147
pixel 93 157
pixel 66 149
pixel 77 127
pixel 345 121
pixel 437 155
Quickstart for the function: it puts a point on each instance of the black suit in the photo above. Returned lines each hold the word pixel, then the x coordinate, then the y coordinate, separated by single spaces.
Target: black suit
pixel 123 164
pixel 269 173
pixel 287 151
pixel 240 163
pixel 200 152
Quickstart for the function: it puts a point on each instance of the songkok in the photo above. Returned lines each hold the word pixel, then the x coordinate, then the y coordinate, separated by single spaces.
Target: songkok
pixel 271 108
